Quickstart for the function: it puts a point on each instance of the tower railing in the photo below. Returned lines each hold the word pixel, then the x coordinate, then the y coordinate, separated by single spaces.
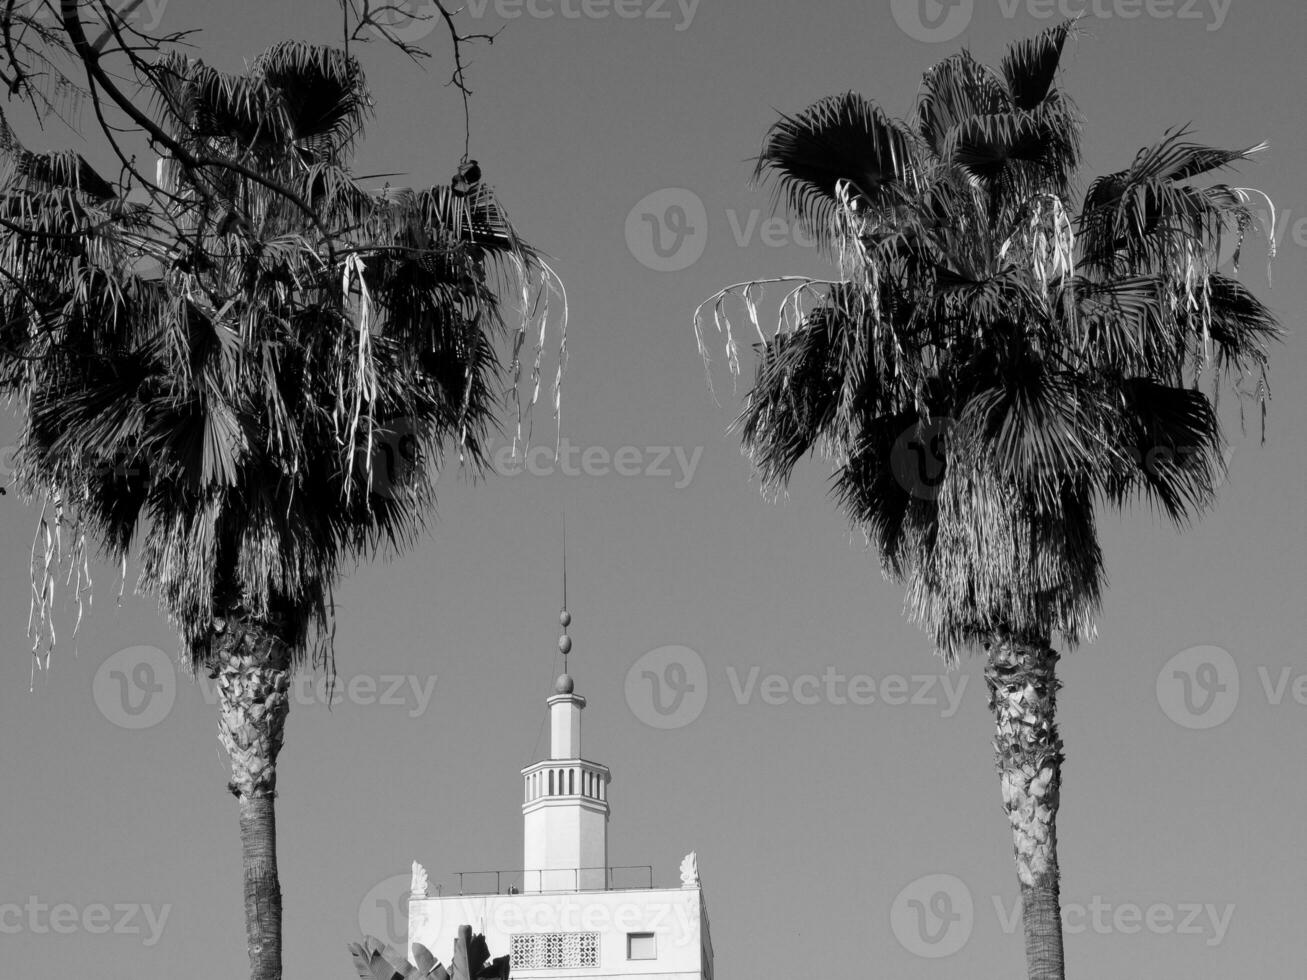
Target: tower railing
pixel 541 880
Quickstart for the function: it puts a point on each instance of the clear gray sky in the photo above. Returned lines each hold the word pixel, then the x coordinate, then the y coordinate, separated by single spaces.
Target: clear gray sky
pixel 817 822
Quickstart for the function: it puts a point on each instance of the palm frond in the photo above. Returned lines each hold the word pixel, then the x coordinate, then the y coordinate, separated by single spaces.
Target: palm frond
pixel 1170 450
pixel 1030 66
pixel 954 90
pixel 321 90
pixel 841 150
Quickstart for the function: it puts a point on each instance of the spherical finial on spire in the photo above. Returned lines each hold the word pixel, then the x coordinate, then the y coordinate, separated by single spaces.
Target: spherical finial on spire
pixel 565 618
pixel 565 644
pixel 564 684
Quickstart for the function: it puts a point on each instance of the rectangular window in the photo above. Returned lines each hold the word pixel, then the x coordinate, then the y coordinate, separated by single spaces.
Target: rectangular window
pixel 641 946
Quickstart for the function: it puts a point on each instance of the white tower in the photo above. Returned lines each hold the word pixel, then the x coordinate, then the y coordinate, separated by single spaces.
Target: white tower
pixel 564 916
pixel 565 802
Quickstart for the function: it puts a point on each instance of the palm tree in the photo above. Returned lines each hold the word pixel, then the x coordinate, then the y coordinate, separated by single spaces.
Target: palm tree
pixel 243 374
pixel 990 365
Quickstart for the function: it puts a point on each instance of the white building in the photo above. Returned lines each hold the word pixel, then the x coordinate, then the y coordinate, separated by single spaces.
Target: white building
pixel 568 914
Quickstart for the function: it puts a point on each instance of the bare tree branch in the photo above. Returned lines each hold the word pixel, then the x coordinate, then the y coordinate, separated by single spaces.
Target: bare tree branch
pixel 371 17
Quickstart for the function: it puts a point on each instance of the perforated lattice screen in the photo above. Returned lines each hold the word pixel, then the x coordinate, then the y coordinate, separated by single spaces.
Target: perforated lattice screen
pixel 555 950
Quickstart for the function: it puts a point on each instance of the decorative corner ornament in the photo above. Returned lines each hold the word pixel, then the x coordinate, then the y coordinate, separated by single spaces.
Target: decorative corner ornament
pixel 690 871
pixel 418 887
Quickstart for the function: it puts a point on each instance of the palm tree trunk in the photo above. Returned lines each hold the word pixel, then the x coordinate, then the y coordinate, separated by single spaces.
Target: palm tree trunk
pixel 262 887
pixel 1023 696
pixel 253 665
